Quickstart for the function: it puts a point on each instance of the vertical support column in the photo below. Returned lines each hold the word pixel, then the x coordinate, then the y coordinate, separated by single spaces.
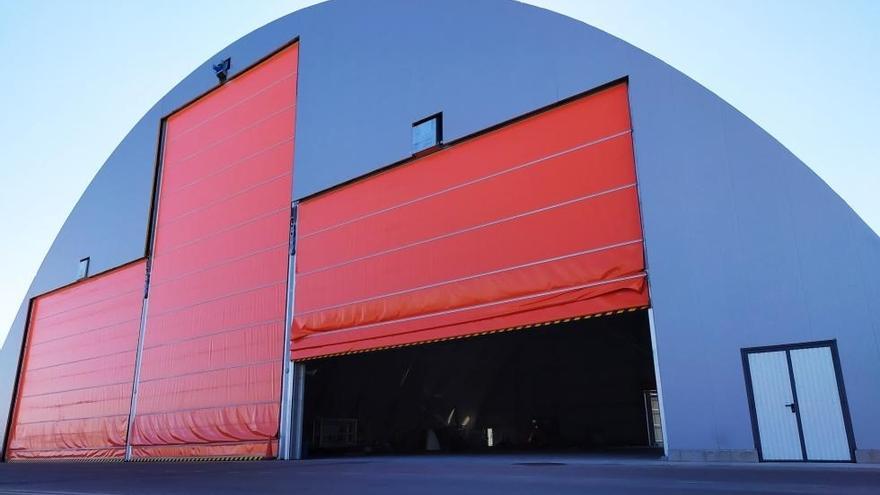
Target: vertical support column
pixel 657 380
pixel 290 445
pixel 150 247
pixel 286 427
pixel 289 430
pixel 299 387
pixel 137 368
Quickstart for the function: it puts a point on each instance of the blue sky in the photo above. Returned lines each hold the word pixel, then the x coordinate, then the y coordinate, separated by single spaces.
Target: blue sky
pixel 76 77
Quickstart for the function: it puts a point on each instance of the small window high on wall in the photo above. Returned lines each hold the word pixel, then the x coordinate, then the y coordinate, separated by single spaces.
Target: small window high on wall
pixel 427 133
pixel 82 270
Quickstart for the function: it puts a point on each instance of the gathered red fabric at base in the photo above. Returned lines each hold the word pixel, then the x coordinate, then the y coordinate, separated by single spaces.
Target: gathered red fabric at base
pixel 626 294
pixel 534 221
pixel 74 395
pixel 264 449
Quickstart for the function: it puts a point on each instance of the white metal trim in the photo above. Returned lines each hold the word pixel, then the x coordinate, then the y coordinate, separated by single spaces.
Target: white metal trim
pixel 285 431
pixel 298 409
pixel 142 331
pixel 137 374
pixel 657 380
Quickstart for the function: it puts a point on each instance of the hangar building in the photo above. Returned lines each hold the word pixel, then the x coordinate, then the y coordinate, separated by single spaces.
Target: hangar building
pixel 458 226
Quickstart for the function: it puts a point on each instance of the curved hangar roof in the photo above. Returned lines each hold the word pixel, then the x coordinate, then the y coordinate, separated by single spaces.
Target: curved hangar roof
pixel 741 238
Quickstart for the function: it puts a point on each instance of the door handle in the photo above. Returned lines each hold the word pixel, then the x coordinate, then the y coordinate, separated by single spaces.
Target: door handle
pixel 793 406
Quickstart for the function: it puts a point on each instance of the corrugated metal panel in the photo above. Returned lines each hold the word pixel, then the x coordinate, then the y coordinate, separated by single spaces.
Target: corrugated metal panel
pixel 75 390
pixel 211 364
pixel 822 420
pixel 535 221
pixel 771 389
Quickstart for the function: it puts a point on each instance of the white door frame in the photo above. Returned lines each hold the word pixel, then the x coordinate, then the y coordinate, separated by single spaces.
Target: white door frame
pixel 290 429
pixel 656 358
pixel 787 348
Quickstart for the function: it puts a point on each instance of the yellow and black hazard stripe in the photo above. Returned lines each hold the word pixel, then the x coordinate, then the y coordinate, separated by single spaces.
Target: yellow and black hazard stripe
pixel 487 332
pixel 238 458
pixel 226 458
pixel 70 459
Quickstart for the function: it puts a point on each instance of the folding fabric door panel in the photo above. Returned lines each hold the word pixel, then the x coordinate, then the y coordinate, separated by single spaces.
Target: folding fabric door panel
pixel 74 394
pixel 534 221
pixel 213 342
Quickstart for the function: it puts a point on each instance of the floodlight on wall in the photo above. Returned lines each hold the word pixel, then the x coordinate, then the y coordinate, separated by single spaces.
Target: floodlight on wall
pixel 222 69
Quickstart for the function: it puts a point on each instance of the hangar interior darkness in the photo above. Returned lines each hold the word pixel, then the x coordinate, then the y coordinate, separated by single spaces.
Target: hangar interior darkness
pixel 575 386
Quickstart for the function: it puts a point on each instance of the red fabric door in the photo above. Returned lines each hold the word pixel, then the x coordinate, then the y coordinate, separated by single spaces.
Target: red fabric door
pixel 532 222
pixel 213 347
pixel 74 394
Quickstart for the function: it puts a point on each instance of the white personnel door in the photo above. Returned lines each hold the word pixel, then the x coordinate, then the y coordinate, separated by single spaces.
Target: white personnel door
pixel 774 401
pixel 798 404
pixel 819 405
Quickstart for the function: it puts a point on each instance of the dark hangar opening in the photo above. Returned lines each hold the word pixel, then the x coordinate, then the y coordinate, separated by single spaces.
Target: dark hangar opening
pixel 585 385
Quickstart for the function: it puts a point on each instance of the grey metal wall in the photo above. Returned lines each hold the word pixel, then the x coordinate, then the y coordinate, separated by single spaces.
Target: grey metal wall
pixel 745 245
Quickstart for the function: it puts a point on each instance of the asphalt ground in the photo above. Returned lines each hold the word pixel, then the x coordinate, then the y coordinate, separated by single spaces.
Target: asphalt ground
pixel 440 474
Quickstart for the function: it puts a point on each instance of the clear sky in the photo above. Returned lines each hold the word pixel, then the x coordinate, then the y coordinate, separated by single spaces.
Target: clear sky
pixel 76 76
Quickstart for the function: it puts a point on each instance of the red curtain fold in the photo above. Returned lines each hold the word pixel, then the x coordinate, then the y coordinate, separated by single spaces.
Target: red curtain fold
pixel 74 393
pixel 211 363
pixel 534 221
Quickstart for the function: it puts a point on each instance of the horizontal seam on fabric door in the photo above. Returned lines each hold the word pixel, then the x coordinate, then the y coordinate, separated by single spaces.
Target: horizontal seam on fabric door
pixel 228 137
pixel 222 200
pixel 469 229
pixel 466 308
pixel 470 277
pixel 216 233
pixel 235 105
pixel 239 328
pixel 117 296
pixel 215 265
pixel 470 182
pixel 128 382
pixel 224 406
pixel 201 372
pixel 228 166
pixel 104 327
pixel 102 356
pixel 74 419
pixel 215 299
pixel 105 299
